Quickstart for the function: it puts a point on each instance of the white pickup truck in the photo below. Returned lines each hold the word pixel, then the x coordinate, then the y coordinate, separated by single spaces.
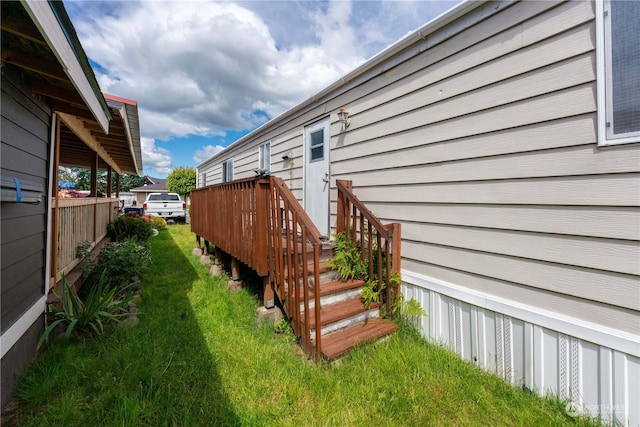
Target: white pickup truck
pixel 166 205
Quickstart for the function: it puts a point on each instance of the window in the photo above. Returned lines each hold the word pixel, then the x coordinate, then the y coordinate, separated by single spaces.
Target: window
pixel 316 147
pixel 264 161
pixel 203 179
pixel 618 65
pixel 227 171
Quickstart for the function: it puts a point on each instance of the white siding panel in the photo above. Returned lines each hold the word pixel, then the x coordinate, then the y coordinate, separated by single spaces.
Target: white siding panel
pixel 403 150
pixel 615 190
pixel 428 106
pixel 555 363
pixel 621 290
pixel 603 254
pixel 407 132
pixel 606 222
pixel 580 160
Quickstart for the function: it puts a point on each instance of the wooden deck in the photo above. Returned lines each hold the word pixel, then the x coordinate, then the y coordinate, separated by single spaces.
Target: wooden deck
pixel 259 223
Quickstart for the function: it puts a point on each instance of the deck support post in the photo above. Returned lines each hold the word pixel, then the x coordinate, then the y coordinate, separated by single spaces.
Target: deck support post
pixel 206 247
pixel 217 256
pixel 198 242
pixel 235 269
pixel 269 296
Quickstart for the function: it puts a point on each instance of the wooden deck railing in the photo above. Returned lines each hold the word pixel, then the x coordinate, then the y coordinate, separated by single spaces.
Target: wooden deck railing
pixel 379 244
pixel 296 245
pixel 78 221
pixel 234 217
pixel 259 222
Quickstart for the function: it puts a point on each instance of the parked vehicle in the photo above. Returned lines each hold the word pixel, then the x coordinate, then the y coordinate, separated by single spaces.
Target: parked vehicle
pixel 166 205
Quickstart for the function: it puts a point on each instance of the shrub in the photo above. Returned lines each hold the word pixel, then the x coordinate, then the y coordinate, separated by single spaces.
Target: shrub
pixel 122 260
pixel 100 308
pixel 158 223
pixel 129 227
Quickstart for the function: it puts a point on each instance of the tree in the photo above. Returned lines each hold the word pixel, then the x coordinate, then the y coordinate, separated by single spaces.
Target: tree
pixel 182 180
pixel 127 181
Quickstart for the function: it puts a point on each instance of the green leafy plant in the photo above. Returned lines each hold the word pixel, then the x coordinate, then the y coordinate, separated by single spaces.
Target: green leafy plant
pixel 129 227
pixel 91 316
pixel 347 260
pixel 121 260
pixel 370 292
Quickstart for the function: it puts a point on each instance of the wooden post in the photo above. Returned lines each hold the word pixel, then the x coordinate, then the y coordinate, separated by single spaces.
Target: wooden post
pixel 94 193
pixel 269 297
pixel 261 228
pixel 217 256
pixel 198 242
pixel 117 186
pixel 396 248
pixel 94 176
pixel 109 189
pixel 206 247
pixel 235 269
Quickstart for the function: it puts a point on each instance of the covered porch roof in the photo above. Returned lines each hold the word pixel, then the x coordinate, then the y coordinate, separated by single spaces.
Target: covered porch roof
pixel 39 39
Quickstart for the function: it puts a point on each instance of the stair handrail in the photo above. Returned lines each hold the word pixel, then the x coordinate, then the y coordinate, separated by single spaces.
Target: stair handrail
pixel 349 205
pixel 296 262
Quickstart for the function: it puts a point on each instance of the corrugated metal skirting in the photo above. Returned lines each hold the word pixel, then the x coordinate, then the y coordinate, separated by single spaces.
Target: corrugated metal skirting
pixel 596 379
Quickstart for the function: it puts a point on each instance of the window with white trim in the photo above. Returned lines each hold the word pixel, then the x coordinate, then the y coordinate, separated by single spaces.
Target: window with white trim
pixel 227 171
pixel 618 72
pixel 264 160
pixel 203 179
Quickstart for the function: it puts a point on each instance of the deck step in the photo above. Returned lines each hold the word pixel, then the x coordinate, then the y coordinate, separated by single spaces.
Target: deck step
pixel 338 343
pixel 332 292
pixel 342 310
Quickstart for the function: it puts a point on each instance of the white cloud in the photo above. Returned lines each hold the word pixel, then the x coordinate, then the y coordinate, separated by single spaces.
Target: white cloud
pixel 207 151
pixel 205 68
pixel 155 157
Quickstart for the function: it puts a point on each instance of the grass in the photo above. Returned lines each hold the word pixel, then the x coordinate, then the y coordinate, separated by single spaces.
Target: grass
pixel 199 358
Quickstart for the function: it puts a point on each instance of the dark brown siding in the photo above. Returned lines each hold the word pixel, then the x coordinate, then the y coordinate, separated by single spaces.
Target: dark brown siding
pixel 25 155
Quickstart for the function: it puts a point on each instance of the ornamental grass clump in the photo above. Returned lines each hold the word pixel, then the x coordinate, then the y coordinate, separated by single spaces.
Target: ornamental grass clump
pixel 103 306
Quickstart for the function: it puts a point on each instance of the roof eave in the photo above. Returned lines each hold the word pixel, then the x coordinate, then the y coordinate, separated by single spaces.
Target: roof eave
pixel 58 32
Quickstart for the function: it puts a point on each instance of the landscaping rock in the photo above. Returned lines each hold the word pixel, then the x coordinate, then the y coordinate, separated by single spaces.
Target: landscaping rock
pixel 268 315
pixel 215 270
pixel 205 260
pixel 197 251
pixel 137 298
pixel 235 285
pixel 132 308
pixel 136 283
pixel 129 322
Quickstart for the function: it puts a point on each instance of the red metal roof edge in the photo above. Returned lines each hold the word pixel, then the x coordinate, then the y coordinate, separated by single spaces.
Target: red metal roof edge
pixel 120 99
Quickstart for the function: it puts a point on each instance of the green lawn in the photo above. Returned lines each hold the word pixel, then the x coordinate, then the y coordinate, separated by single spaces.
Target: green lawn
pixel 198 358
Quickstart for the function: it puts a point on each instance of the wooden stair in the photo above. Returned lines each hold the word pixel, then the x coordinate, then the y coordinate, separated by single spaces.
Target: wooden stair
pixel 345 322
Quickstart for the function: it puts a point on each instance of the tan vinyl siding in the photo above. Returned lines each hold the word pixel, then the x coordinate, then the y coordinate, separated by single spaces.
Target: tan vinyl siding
pixel 483 145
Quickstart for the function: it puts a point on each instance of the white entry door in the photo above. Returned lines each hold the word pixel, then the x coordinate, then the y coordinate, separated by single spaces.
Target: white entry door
pixel 316 174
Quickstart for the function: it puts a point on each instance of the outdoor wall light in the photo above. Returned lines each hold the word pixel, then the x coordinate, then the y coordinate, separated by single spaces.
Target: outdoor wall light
pixel 343 116
pixel 287 156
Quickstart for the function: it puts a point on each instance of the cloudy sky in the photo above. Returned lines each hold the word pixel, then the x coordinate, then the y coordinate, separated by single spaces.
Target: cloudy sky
pixel 205 73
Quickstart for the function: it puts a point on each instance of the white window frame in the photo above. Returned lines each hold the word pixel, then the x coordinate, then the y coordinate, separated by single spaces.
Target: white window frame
pixel 203 179
pixel 264 161
pixel 604 84
pixel 227 170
